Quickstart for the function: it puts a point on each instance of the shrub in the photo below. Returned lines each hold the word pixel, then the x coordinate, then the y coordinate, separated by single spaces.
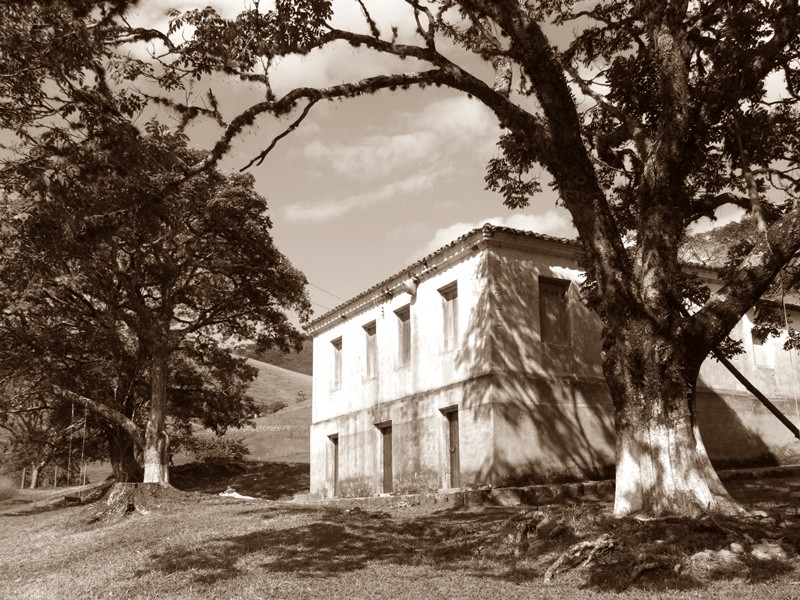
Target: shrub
pixel 272 407
pixel 209 448
pixel 7 488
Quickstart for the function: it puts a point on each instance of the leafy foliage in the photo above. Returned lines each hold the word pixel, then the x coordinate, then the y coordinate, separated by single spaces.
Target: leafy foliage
pixel 106 271
pixel 209 449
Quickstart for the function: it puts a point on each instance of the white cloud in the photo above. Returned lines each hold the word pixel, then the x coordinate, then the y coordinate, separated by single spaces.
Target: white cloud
pixel 554 222
pixel 330 209
pixel 347 14
pixel 726 214
pixel 375 155
pixel 459 118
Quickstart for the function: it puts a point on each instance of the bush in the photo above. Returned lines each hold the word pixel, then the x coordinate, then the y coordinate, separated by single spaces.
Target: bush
pixel 272 407
pixel 207 449
pixel 7 488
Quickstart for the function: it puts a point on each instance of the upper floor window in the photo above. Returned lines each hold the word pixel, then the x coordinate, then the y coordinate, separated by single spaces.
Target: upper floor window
pixel 403 336
pixel 336 380
pixel 553 311
pixel 449 295
pixel 763 350
pixel 372 351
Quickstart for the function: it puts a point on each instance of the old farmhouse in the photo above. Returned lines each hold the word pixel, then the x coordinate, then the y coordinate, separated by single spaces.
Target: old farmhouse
pixel 480 364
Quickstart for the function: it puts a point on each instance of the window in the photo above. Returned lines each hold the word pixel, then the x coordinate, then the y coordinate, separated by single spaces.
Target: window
pixel 336 380
pixel 372 351
pixel 450 314
pixel 403 336
pixel 553 311
pixel 763 351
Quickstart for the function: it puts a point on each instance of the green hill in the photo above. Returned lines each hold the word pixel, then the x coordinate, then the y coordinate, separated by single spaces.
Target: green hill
pixel 299 362
pixel 281 436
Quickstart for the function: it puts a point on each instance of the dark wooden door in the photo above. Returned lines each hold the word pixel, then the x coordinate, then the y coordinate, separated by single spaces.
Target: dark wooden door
pixel 386 434
pixel 335 443
pixel 453 448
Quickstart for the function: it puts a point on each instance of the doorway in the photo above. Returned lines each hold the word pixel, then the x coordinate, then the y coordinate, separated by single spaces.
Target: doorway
pixel 335 462
pixel 453 448
pixel 385 430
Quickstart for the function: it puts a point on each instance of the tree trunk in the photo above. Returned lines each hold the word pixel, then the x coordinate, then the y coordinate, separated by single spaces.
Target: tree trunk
pixel 156 441
pixel 122 454
pixel 662 464
pixel 34 482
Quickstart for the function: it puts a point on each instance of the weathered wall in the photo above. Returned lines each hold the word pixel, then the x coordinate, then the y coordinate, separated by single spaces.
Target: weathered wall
pixel 528 410
pixel 411 396
pixel 553 414
pixel 419 432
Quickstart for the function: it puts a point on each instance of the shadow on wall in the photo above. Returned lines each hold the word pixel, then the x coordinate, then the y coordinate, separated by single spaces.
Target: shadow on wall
pixel 553 417
pixel 730 444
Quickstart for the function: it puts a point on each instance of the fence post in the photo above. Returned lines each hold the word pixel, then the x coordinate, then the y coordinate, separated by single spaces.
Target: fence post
pixel 22 485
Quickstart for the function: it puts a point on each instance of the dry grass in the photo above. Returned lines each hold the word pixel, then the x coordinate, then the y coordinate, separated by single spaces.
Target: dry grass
pixel 210 547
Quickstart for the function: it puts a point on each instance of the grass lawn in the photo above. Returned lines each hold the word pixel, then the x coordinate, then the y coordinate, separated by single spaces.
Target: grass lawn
pixel 205 546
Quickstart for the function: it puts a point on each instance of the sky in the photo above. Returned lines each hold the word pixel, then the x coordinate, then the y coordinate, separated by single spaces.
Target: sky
pixel 366 186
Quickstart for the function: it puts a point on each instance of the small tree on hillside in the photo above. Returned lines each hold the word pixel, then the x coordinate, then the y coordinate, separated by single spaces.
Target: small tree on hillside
pixel 154 278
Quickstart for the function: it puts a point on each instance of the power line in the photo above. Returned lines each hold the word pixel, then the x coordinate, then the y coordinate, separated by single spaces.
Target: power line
pixel 324 290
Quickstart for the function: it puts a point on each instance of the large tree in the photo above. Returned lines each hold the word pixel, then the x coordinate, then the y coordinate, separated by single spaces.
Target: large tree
pixel 115 277
pixel 647 115
pixel 651 115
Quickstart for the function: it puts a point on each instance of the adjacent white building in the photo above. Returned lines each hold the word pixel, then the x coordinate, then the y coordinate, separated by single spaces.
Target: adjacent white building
pixel 480 364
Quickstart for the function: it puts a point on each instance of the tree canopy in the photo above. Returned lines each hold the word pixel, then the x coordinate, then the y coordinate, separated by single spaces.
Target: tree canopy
pixel 647 115
pixel 117 294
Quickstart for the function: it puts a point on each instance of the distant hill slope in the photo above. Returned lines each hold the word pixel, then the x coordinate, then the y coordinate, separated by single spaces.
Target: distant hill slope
pixel 282 436
pixel 299 362
pixel 278 384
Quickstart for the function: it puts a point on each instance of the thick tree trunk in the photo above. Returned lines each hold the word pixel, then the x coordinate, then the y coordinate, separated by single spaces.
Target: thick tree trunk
pixel 34 482
pixel 122 454
pixel 662 465
pixel 156 441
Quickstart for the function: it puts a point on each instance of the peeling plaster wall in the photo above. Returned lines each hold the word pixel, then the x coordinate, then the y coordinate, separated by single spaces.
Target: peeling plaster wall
pixel 553 415
pixel 529 411
pixel 411 396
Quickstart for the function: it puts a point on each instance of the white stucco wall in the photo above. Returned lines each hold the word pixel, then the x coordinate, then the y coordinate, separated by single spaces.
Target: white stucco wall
pixel 527 409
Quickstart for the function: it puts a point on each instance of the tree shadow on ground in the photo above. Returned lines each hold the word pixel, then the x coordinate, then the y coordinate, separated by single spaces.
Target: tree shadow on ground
pixel 272 481
pixel 338 542
pixel 311 543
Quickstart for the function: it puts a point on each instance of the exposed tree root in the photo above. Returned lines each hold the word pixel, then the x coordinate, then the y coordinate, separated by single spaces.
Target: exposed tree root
pixel 124 499
pixel 580 555
pixel 677 553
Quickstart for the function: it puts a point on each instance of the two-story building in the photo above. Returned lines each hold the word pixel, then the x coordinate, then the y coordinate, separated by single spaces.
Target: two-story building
pixel 480 364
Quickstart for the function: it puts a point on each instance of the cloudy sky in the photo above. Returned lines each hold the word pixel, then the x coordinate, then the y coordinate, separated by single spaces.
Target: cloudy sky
pixel 365 187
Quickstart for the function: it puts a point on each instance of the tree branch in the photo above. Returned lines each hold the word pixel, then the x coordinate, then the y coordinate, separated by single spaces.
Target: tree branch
pixel 747 284
pixel 108 414
pixel 260 158
pixel 368 85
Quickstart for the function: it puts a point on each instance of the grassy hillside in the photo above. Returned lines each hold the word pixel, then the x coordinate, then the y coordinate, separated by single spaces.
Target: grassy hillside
pixel 299 362
pixel 281 436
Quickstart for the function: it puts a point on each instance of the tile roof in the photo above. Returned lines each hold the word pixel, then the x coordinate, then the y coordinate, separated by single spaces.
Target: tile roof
pixel 486 229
